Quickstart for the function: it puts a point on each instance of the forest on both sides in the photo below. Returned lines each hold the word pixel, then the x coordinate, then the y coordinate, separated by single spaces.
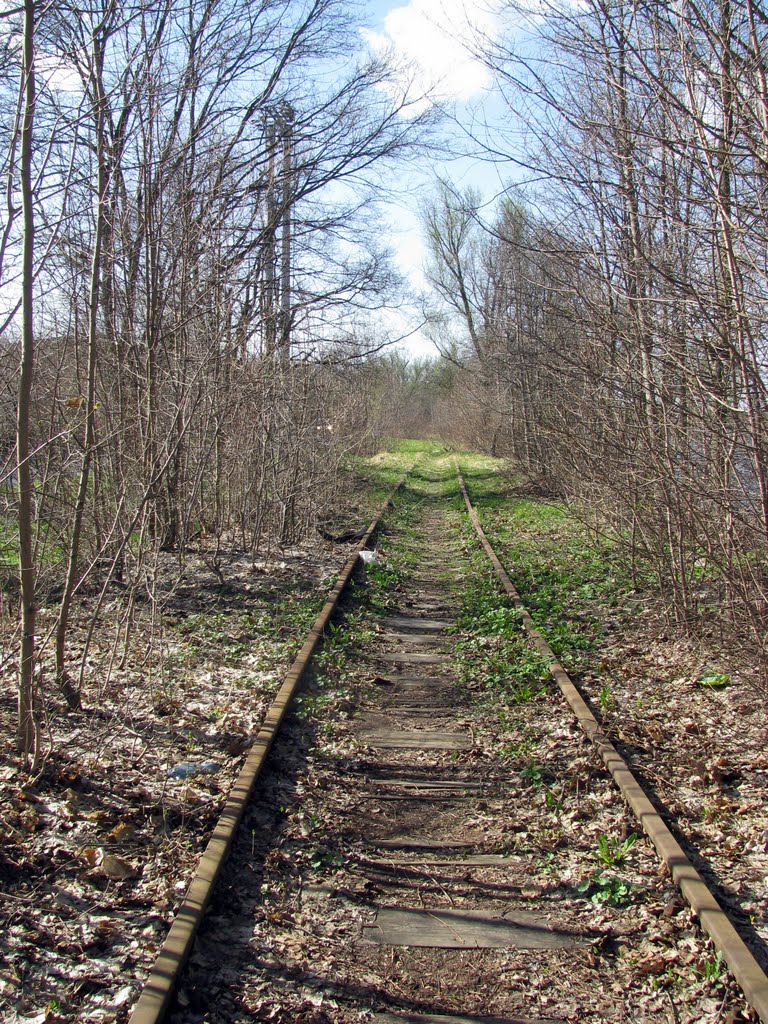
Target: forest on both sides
pixel 190 277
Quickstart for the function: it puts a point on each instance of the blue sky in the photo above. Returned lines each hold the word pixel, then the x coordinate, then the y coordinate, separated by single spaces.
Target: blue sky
pixel 435 38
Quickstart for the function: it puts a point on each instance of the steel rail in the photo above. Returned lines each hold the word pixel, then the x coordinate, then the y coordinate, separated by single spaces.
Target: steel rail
pixel 714 920
pixel 158 989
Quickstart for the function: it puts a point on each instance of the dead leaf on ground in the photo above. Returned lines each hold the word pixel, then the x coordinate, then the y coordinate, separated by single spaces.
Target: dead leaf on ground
pixel 116 868
pixel 123 832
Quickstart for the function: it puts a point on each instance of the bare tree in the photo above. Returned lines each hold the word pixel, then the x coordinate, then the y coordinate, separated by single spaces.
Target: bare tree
pixel 27 718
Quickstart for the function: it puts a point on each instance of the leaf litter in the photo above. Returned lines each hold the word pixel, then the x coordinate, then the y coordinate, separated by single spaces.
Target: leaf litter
pixel 97 849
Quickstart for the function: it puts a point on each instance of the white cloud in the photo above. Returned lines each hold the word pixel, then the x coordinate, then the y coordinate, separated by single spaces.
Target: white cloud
pixel 432 43
pixel 410 255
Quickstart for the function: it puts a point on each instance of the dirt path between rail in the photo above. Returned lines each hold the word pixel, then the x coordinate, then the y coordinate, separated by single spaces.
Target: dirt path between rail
pixel 420 870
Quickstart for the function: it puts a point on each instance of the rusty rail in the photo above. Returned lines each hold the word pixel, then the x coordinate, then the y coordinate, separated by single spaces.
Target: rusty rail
pixel 159 986
pixel 714 920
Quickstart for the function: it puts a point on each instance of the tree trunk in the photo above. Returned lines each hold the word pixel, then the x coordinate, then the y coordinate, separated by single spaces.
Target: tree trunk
pixel 71 694
pixel 27 716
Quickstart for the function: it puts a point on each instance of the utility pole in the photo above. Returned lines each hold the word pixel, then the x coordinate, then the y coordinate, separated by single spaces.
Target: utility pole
pixel 268 296
pixel 276 299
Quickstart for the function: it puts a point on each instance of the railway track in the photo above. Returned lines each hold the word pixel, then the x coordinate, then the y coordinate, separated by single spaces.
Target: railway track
pixel 391 863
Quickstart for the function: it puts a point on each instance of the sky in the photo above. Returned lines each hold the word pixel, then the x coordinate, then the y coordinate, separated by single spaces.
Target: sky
pixel 435 37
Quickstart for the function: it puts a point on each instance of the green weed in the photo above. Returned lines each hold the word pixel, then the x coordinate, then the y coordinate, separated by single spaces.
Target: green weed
pixel 321 857
pixel 712 969
pixel 522 749
pixel 607 889
pixel 546 863
pixel 533 775
pixel 611 851
pixel 605 698
pixel 554 801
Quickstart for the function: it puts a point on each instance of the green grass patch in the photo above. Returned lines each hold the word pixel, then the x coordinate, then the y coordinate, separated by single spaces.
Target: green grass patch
pixel 566 578
pixel 410 446
pixel 431 469
pixel 228 637
pixel 495 658
pixel 566 575
pixel 9 541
